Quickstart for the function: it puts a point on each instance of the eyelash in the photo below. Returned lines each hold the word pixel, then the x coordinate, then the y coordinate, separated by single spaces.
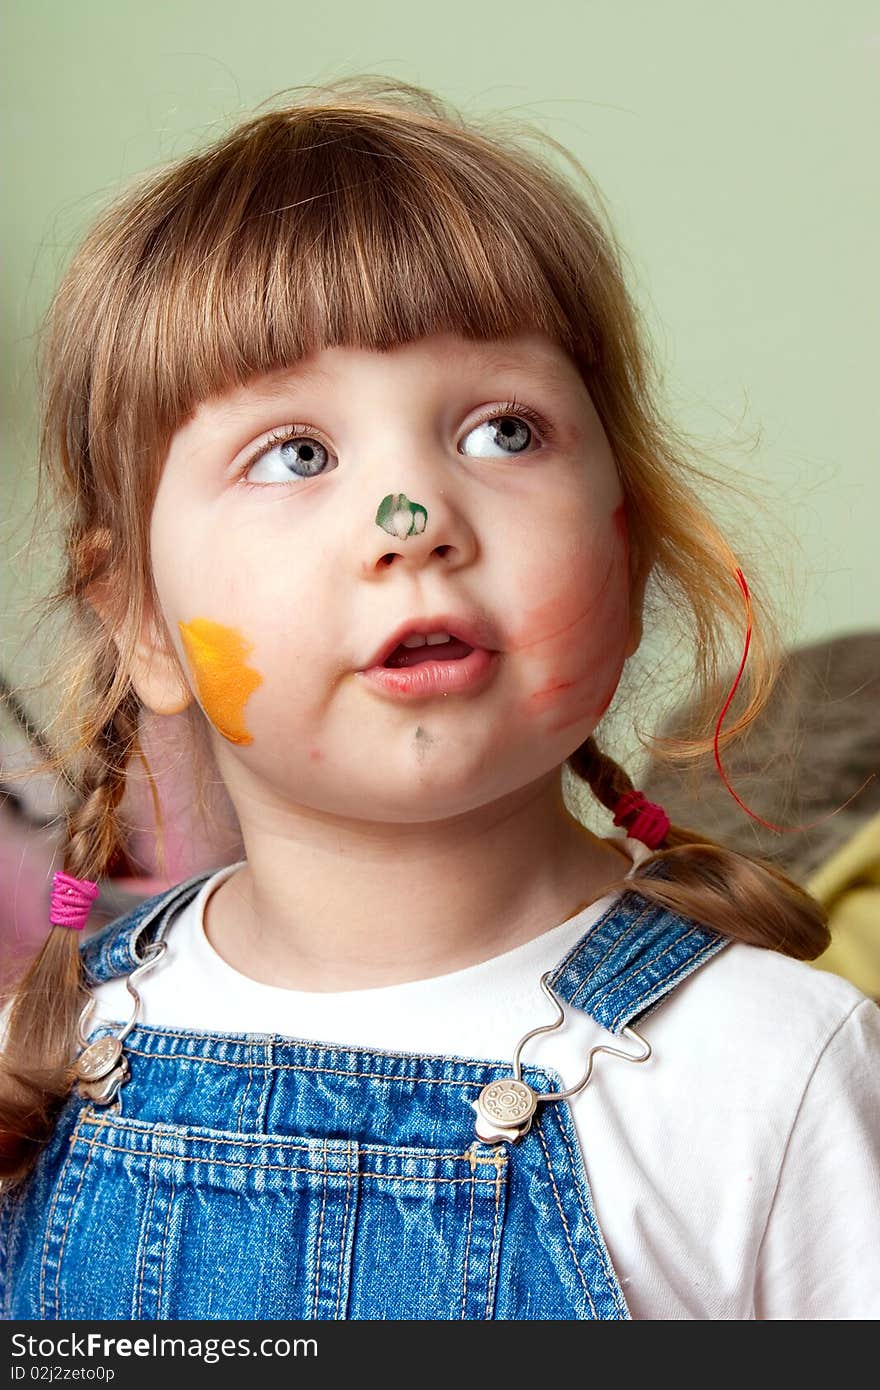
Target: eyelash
pixel 512 407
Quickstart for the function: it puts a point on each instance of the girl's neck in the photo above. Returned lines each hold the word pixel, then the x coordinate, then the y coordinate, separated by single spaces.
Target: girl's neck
pixel 336 911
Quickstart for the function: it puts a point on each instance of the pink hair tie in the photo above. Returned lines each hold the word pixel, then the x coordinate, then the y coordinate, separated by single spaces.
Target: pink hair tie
pixel 650 822
pixel 72 900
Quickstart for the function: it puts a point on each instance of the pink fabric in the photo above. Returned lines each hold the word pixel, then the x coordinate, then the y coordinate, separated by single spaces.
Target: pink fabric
pixel 72 900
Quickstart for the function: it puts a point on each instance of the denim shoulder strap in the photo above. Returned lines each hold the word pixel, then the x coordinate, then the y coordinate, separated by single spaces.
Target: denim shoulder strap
pixel 627 963
pixel 119 947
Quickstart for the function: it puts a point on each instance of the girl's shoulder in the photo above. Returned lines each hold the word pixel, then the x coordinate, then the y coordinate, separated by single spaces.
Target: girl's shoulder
pixel 755 981
pixel 768 1023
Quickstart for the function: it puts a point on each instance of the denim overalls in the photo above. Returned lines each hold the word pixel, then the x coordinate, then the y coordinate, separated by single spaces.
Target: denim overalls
pixel 248 1175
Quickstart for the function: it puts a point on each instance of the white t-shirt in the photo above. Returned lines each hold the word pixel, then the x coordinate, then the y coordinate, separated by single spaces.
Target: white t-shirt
pixel 735 1175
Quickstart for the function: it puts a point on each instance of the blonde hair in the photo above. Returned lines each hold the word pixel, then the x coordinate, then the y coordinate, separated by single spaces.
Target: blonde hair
pixel 364 214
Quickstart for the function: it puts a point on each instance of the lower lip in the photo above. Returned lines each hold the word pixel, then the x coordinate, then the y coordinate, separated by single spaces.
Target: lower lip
pixel 431 678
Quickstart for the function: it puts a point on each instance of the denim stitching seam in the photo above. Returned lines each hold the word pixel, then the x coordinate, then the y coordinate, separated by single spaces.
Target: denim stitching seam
pixel 49 1219
pixel 164 1247
pixel 423 1156
pixel 66 1228
pixel 618 941
pixel 467 1248
pixel 245 1088
pixel 281 1167
pixel 609 1272
pixel 659 991
pixel 496 1242
pixel 577 1187
pixel 342 1243
pixel 620 982
pixel 564 1222
pixel 644 965
pixel 589 941
pixel 597 931
pixel 138 1310
pixel 315 1071
pixel 320 1233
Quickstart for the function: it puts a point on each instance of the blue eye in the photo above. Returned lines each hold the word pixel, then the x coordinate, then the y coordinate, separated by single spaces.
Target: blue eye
pixel 510 434
pixel 296 452
pixel 286 455
pixel 510 428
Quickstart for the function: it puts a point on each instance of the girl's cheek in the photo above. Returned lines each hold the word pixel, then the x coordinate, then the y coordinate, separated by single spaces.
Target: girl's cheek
pixel 574 638
pixel 217 657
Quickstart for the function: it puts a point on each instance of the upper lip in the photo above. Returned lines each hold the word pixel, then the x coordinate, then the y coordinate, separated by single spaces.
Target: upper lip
pixel 476 632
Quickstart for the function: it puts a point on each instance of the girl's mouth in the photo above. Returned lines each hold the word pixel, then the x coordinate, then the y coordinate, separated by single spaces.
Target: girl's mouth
pixel 451 650
pixel 423 673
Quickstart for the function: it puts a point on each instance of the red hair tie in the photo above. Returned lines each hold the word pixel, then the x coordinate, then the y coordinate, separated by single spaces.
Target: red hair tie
pixel 72 900
pixel 649 822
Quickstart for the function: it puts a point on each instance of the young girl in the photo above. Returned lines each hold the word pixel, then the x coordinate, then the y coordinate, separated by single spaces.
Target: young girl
pixel 352 419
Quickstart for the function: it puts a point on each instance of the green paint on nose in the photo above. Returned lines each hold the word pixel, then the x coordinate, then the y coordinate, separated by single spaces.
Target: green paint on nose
pixel 400 517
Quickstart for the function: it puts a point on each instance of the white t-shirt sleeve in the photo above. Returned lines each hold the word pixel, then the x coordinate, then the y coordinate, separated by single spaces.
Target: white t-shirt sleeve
pixel 820 1256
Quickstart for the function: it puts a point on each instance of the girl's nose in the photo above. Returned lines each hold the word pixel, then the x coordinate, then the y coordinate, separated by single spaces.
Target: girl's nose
pixel 402 526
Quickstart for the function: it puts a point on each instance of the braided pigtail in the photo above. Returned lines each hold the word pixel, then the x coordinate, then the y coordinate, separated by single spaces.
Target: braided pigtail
pixel 740 896
pixel 36 1066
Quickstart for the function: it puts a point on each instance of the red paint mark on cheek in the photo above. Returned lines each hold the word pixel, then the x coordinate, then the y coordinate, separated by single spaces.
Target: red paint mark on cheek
pixel 580 710
pixel 579 634
pixel 548 696
pixel 543 618
pixel 582 703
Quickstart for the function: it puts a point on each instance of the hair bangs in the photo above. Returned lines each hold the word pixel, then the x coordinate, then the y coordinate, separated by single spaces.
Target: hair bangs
pixel 305 238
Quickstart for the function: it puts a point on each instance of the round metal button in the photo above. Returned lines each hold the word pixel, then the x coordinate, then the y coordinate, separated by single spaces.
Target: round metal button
pixel 99 1058
pixel 507 1103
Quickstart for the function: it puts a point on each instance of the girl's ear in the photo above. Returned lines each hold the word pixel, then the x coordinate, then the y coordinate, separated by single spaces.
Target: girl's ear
pixel 155 672
pixel 154 669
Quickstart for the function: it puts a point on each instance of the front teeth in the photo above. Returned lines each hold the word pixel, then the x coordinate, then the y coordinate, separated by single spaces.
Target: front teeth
pixel 433 639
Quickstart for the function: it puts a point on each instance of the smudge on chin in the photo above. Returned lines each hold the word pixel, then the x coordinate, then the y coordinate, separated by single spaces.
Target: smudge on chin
pixel 223 681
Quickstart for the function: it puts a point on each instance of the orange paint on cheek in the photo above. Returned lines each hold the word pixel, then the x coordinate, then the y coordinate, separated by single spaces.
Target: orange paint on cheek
pixel 217 655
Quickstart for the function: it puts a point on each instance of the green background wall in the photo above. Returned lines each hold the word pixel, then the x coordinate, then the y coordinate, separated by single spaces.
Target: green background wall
pixel 735 145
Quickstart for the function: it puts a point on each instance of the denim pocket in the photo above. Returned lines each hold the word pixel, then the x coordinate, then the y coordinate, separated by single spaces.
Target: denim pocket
pixel 429 1232
pixel 161 1221
pixel 151 1221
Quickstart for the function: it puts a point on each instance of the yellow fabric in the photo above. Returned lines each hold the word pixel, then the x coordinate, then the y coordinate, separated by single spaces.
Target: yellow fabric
pixel 848 886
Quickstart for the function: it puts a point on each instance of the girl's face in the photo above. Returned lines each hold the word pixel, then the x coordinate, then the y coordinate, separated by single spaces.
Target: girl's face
pixel 302 520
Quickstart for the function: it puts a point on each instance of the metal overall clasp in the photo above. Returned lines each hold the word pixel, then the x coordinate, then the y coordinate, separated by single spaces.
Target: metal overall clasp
pixel 102 1067
pixel 505 1109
